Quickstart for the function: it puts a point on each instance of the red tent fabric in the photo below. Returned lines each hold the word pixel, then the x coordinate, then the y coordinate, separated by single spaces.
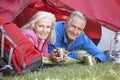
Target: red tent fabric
pixel 12 8
pixel 105 12
pixel 60 9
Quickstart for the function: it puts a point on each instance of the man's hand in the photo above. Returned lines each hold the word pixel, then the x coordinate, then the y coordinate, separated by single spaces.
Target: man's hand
pixel 82 55
pixel 58 55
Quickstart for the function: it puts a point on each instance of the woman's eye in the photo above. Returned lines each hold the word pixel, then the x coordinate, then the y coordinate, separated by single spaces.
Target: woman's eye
pixel 41 26
pixel 44 27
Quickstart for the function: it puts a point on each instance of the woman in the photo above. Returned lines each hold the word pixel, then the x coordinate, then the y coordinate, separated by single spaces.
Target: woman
pixel 40 31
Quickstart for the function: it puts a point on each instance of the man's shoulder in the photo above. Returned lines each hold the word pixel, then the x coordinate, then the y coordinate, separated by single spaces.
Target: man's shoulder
pixel 82 33
pixel 60 23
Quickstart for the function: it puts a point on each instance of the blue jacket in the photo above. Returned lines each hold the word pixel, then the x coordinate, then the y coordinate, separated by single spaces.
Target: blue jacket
pixel 81 42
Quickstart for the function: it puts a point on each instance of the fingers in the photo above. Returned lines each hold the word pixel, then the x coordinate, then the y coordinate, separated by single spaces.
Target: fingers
pixel 64 58
pixel 54 57
pixel 81 56
pixel 86 58
pixel 57 59
pixel 94 61
pixel 59 55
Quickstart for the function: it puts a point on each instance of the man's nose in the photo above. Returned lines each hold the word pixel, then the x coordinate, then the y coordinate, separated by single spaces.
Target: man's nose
pixel 75 30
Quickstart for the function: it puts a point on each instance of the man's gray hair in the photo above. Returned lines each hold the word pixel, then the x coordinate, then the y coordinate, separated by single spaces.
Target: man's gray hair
pixel 76 13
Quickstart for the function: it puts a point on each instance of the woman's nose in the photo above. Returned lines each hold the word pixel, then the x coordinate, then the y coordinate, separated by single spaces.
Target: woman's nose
pixel 45 29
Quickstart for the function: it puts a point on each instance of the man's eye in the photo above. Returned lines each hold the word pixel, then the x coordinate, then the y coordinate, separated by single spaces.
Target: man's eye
pixel 79 29
pixel 49 27
pixel 72 26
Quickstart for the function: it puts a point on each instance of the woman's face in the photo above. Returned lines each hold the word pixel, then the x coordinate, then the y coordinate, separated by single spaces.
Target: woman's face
pixel 43 28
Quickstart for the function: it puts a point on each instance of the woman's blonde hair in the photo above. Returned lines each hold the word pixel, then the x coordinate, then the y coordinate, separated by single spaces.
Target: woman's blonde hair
pixel 40 15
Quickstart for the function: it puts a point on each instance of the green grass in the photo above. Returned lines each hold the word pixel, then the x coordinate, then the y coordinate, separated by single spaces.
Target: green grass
pixel 74 71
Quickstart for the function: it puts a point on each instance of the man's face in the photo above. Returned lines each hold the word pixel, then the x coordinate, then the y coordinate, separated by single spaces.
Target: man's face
pixel 74 28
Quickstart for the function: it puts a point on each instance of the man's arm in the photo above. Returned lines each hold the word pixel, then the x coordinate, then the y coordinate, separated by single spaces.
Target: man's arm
pixel 93 50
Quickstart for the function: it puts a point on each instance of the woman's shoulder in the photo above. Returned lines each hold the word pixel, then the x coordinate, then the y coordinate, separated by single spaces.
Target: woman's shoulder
pixel 28 31
pixel 30 34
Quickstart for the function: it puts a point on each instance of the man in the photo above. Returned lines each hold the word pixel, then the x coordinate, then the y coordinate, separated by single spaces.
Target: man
pixel 70 35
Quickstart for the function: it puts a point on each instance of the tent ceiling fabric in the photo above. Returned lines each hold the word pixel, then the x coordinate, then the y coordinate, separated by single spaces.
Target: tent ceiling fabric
pixel 22 10
pixel 12 8
pixel 105 12
pixel 61 11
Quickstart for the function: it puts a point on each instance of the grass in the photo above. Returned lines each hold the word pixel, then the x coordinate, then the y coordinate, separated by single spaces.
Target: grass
pixel 74 71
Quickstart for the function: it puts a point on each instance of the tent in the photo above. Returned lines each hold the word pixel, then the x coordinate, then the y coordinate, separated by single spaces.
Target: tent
pixel 99 13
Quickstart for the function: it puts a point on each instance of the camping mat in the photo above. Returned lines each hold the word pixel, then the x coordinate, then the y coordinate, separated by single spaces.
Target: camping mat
pixel 69 59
